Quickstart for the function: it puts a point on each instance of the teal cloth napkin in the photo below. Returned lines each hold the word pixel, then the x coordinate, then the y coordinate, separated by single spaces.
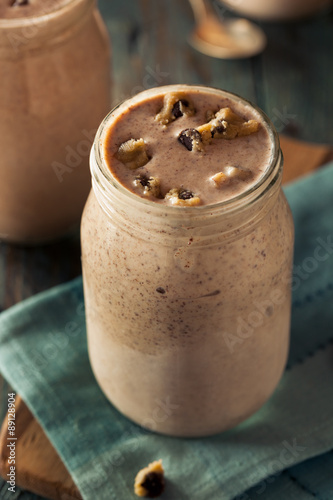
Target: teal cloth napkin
pixel 43 355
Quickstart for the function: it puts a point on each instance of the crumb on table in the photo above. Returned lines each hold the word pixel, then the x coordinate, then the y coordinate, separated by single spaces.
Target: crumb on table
pixel 149 482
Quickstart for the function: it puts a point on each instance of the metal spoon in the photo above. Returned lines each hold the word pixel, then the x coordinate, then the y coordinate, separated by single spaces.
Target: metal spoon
pixel 228 39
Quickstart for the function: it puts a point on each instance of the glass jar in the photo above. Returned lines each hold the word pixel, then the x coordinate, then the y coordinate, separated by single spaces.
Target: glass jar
pixel 55 90
pixel 188 309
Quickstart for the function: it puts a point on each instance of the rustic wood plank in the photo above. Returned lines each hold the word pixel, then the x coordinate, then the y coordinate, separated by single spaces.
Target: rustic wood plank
pixel 4 391
pixel 38 466
pixel 123 20
pixel 301 158
pixel 29 270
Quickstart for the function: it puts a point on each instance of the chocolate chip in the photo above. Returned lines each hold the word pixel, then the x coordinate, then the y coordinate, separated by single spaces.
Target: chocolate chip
pixel 184 194
pixel 153 484
pixel 177 110
pixel 190 138
pixel 218 130
pixel 160 290
pixel 150 186
pixel 143 180
pixel 19 3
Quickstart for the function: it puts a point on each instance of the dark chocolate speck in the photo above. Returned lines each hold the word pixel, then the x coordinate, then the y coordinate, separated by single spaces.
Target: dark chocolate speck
pixel 176 110
pixel 185 194
pixel 144 180
pixel 219 129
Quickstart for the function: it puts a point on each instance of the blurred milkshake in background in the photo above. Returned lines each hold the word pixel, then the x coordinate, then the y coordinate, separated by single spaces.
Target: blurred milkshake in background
pixel 55 77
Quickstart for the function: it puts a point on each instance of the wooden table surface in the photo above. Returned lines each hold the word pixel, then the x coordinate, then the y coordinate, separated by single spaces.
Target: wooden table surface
pixel 292 80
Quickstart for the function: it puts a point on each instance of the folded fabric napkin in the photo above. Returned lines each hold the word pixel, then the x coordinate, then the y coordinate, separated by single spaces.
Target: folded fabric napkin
pixel 44 339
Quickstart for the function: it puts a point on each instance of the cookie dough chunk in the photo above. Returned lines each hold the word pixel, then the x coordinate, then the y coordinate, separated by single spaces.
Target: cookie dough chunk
pixel 175 105
pixel 213 129
pixel 226 125
pixel 133 153
pixel 149 482
pixel 248 128
pixel 182 197
pixel 219 179
pixel 210 115
pixel 228 115
pixel 230 173
pixel 149 186
pixel 236 126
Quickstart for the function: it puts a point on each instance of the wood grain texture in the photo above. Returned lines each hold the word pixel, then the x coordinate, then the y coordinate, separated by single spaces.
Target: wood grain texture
pixel 301 158
pixel 292 81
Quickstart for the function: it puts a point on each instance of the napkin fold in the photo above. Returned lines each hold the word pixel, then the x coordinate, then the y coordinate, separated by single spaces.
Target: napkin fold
pixel 43 355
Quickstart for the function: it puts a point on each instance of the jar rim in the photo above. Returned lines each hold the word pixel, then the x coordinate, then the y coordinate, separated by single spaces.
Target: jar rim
pixel 22 22
pixel 103 175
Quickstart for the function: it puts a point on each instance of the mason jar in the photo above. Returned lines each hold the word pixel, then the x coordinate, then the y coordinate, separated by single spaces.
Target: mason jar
pixel 55 90
pixel 187 308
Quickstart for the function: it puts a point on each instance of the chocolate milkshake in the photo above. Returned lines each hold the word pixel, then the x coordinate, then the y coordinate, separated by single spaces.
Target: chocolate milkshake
pixel 55 67
pixel 187 250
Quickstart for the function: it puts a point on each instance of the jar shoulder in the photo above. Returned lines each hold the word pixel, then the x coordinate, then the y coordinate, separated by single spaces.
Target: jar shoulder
pixel 275 230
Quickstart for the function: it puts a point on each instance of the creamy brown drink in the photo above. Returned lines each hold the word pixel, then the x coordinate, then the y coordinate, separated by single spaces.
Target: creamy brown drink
pixel 202 143
pixel 54 58
pixel 187 249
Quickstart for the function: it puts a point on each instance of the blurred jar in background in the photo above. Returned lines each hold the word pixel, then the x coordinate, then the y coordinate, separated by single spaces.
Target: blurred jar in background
pixel 276 10
pixel 55 90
